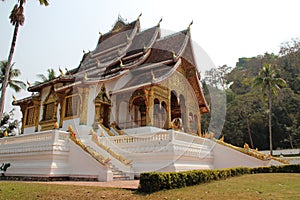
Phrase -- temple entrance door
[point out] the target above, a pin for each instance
(104, 114)
(138, 112)
(102, 108)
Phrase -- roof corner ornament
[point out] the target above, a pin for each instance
(153, 76)
(14, 99)
(159, 21)
(61, 72)
(127, 37)
(83, 51)
(121, 63)
(189, 27)
(140, 16)
(85, 76)
(174, 55)
(100, 34)
(28, 83)
(67, 71)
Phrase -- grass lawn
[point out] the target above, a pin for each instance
(255, 186)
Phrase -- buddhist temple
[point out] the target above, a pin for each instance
(133, 104)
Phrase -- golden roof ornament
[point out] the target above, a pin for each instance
(121, 63)
(174, 55)
(140, 16)
(61, 71)
(14, 98)
(189, 27)
(153, 75)
(85, 76)
(159, 21)
(28, 83)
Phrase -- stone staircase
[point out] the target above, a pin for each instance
(119, 175)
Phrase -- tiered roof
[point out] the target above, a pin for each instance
(147, 55)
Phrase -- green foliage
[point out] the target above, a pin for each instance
(8, 124)
(247, 110)
(156, 181)
(13, 83)
(50, 76)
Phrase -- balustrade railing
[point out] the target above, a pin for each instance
(45, 136)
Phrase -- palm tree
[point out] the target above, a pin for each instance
(270, 85)
(50, 76)
(16, 19)
(16, 85)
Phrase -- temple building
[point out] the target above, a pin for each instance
(133, 104)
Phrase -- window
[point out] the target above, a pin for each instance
(29, 116)
(72, 104)
(48, 111)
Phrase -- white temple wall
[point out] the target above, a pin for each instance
(73, 122)
(29, 130)
(91, 106)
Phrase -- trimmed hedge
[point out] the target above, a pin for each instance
(155, 181)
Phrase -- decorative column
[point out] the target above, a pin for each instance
(37, 106)
(199, 124)
(150, 107)
(84, 94)
(168, 122)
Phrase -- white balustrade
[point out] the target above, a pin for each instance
(42, 141)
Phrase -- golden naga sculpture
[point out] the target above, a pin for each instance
(177, 124)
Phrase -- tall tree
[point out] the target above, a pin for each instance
(50, 76)
(16, 85)
(17, 19)
(270, 85)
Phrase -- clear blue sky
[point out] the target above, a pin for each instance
(56, 35)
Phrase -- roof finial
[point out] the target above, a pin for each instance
(28, 83)
(159, 21)
(140, 16)
(189, 27)
(83, 51)
(100, 34)
(61, 71)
